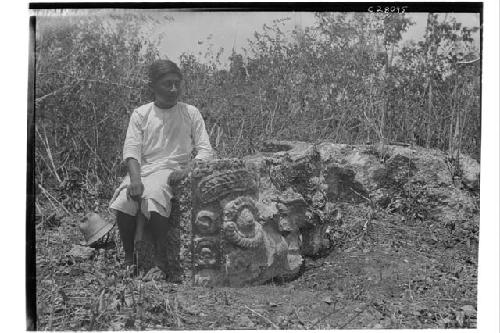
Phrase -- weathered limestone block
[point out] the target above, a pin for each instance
(245, 222)
(242, 236)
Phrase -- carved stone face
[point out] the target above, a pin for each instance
(206, 222)
(205, 250)
(242, 213)
(221, 190)
(246, 222)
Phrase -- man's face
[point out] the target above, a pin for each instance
(167, 90)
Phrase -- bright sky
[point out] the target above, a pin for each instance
(233, 29)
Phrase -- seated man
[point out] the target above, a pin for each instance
(157, 148)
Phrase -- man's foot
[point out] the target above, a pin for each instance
(154, 273)
(131, 269)
(143, 253)
(175, 278)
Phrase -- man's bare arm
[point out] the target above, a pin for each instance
(135, 188)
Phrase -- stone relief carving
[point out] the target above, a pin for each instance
(239, 239)
(240, 225)
(206, 222)
(223, 215)
(252, 220)
(206, 250)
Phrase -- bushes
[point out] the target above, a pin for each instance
(346, 79)
(89, 77)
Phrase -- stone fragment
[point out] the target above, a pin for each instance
(81, 252)
(245, 222)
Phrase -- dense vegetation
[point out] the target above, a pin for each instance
(347, 79)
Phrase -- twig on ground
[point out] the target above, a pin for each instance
(41, 98)
(175, 308)
(354, 317)
(51, 318)
(276, 327)
(51, 198)
(96, 155)
(39, 210)
(241, 132)
(298, 317)
(324, 317)
(46, 145)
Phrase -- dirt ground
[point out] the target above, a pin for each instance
(390, 274)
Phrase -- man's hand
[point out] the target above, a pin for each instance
(177, 175)
(135, 190)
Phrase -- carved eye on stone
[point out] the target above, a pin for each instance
(205, 222)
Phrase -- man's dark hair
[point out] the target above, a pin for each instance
(160, 68)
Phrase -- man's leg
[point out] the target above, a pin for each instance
(126, 226)
(166, 237)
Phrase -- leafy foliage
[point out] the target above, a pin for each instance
(348, 79)
(89, 76)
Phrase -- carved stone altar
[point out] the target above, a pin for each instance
(251, 220)
(249, 229)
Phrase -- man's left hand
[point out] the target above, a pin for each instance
(177, 175)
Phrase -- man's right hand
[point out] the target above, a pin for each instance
(135, 190)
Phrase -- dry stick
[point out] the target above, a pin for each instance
(298, 317)
(44, 161)
(468, 62)
(107, 82)
(51, 202)
(64, 162)
(220, 132)
(38, 208)
(84, 80)
(324, 317)
(175, 308)
(95, 153)
(354, 317)
(49, 196)
(49, 153)
(272, 118)
(276, 327)
(96, 127)
(241, 132)
(101, 305)
(39, 99)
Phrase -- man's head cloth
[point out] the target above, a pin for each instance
(160, 68)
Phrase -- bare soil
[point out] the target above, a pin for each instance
(387, 273)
